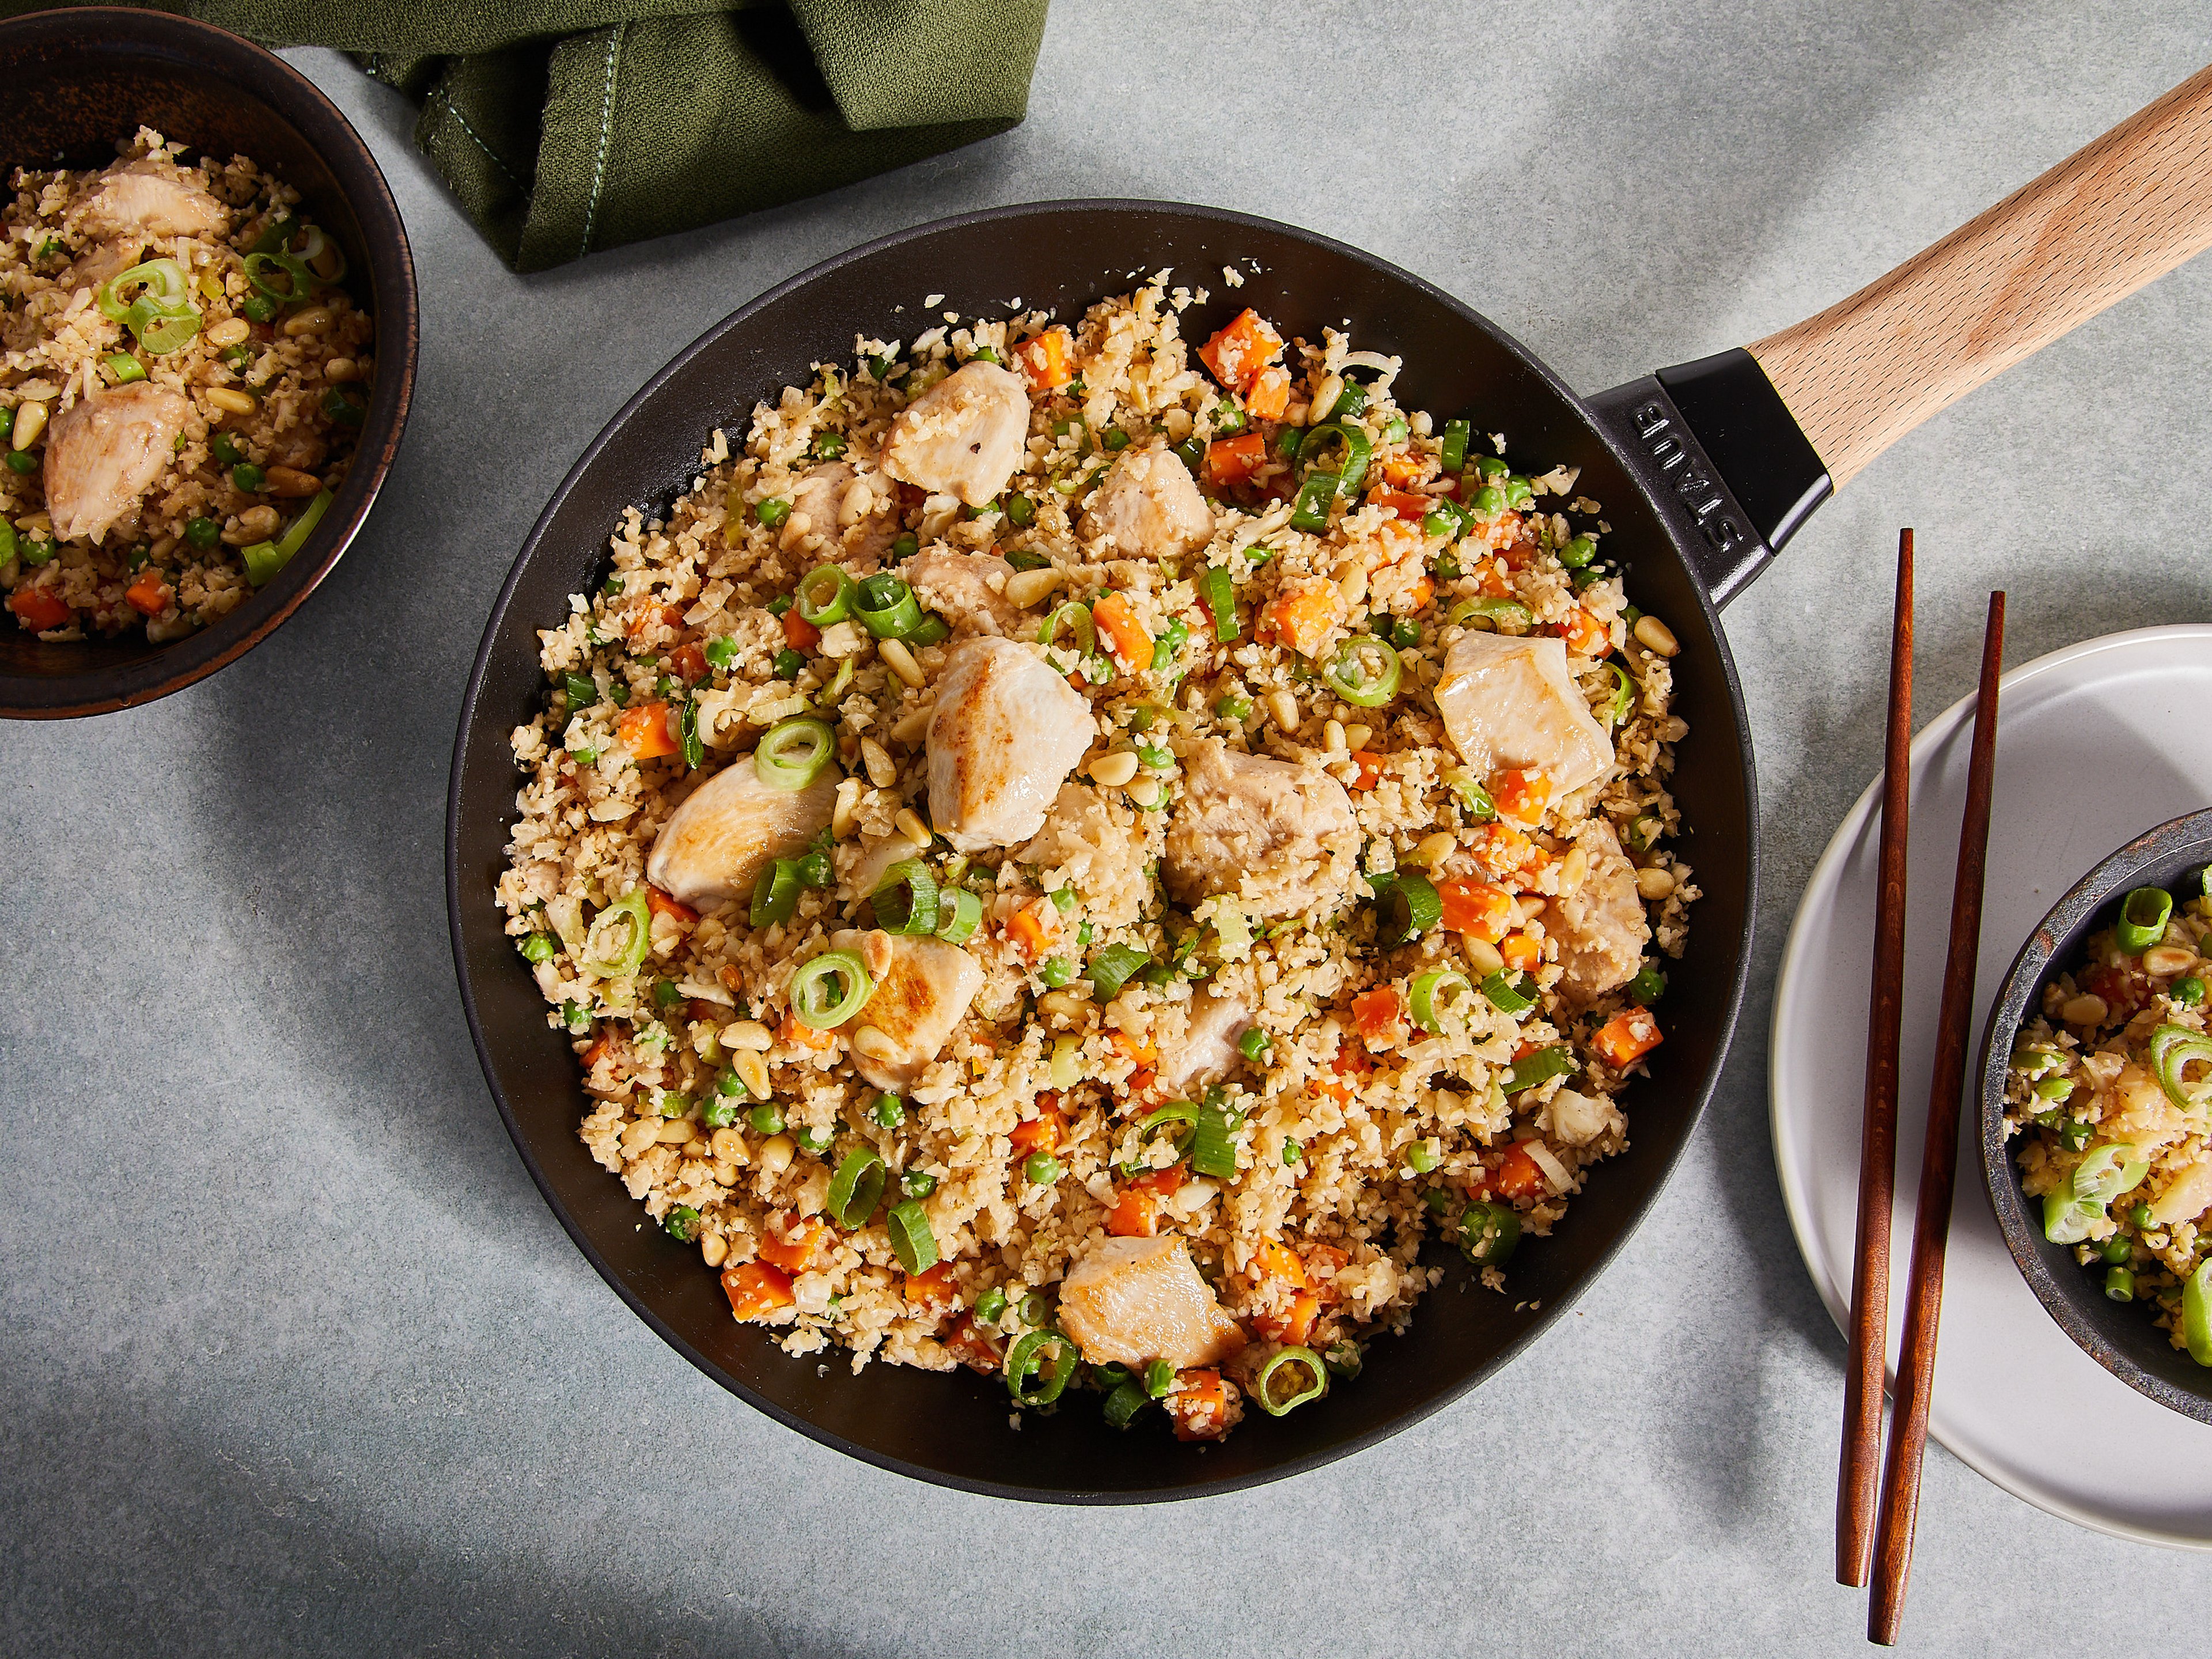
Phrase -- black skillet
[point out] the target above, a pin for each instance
(1702, 471)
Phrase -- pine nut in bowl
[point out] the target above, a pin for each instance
(2096, 1132)
(213, 337)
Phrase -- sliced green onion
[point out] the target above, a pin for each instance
(275, 234)
(1540, 1067)
(1365, 671)
(833, 693)
(830, 989)
(297, 279)
(613, 958)
(857, 1187)
(1256, 1044)
(2143, 916)
(1263, 1385)
(1495, 610)
(1026, 1359)
(687, 733)
(1219, 593)
(1309, 508)
(124, 367)
(1352, 472)
(2070, 1210)
(1503, 996)
(934, 630)
(1407, 907)
(775, 894)
(828, 445)
(1110, 970)
(917, 1183)
(1488, 1233)
(265, 559)
(1213, 1144)
(1453, 452)
(1623, 696)
(906, 899)
(1127, 1399)
(1233, 707)
(794, 752)
(1159, 1377)
(2119, 1283)
(959, 912)
(825, 596)
(2172, 1049)
(1182, 1114)
(887, 607)
(1075, 616)
(912, 1241)
(1440, 996)
(2197, 1312)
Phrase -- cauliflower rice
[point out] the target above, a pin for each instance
(1377, 1094)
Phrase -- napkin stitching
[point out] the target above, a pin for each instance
(606, 125)
(446, 99)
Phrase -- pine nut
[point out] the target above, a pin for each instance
(1333, 737)
(30, 420)
(2165, 959)
(1115, 767)
(1325, 396)
(1434, 849)
(1481, 955)
(729, 1144)
(2083, 1011)
(1060, 1005)
(1284, 708)
(712, 1249)
(1574, 869)
(341, 369)
(314, 320)
(1655, 636)
(1655, 883)
(289, 481)
(752, 1071)
(1359, 737)
(229, 400)
(894, 651)
(637, 1137)
(870, 1041)
(845, 814)
(748, 1034)
(909, 824)
(776, 1154)
(1025, 587)
(1352, 583)
(1146, 792)
(229, 332)
(914, 724)
(882, 771)
(675, 1131)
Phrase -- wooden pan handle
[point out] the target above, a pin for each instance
(2111, 218)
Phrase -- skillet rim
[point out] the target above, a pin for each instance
(1697, 1097)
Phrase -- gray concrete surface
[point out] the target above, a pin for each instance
(295, 1360)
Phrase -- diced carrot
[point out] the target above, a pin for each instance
(1370, 769)
(666, 615)
(1518, 1174)
(688, 662)
(1403, 503)
(41, 608)
(1199, 1403)
(1500, 850)
(933, 1292)
(644, 730)
(1424, 591)
(1125, 636)
(1324, 1263)
(1293, 1324)
(1494, 580)
(148, 594)
(1030, 928)
(1300, 620)
(1134, 1214)
(793, 1249)
(1403, 469)
(1269, 394)
(1232, 460)
(1352, 1060)
(971, 1344)
(1476, 907)
(1048, 360)
(1522, 953)
(795, 1030)
(662, 905)
(1521, 794)
(756, 1290)
(1279, 1274)
(598, 1052)
(800, 635)
(1274, 1260)
(1040, 1134)
(1379, 1014)
(1586, 636)
(1140, 1049)
(1627, 1037)
(1240, 352)
(1503, 532)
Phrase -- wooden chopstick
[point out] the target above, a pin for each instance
(1857, 1482)
(1931, 1224)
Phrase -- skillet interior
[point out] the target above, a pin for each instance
(953, 1428)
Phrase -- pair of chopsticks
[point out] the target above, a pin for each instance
(1874, 1518)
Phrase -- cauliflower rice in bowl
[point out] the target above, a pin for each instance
(1071, 857)
(183, 377)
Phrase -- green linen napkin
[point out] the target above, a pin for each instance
(565, 126)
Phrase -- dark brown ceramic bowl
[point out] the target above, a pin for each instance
(2119, 1336)
(74, 83)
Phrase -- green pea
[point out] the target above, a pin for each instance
(991, 1305)
(1115, 438)
(888, 1111)
(539, 947)
(1447, 567)
(1042, 1168)
(788, 664)
(813, 1140)
(1491, 466)
(1421, 1158)
(730, 1086)
(2189, 992)
(2076, 1135)
(718, 1114)
(1648, 987)
(2116, 1249)
(257, 308)
(1489, 501)
(7, 423)
(771, 512)
(22, 461)
(671, 1104)
(1233, 707)
(766, 1118)
(247, 477)
(1159, 1377)
(225, 449)
(1021, 512)
(829, 446)
(682, 1222)
(1578, 552)
(917, 1183)
(1056, 971)
(721, 651)
(2140, 1215)
(906, 546)
(1292, 1153)
(202, 534)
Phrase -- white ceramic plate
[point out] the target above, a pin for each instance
(2095, 744)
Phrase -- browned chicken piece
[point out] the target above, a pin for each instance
(731, 827)
(1510, 703)
(1278, 836)
(146, 198)
(1207, 1049)
(968, 590)
(1006, 732)
(964, 436)
(1600, 927)
(855, 513)
(923, 987)
(1130, 1301)
(1095, 846)
(1148, 508)
(104, 453)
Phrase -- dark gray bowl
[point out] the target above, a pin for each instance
(2117, 1335)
